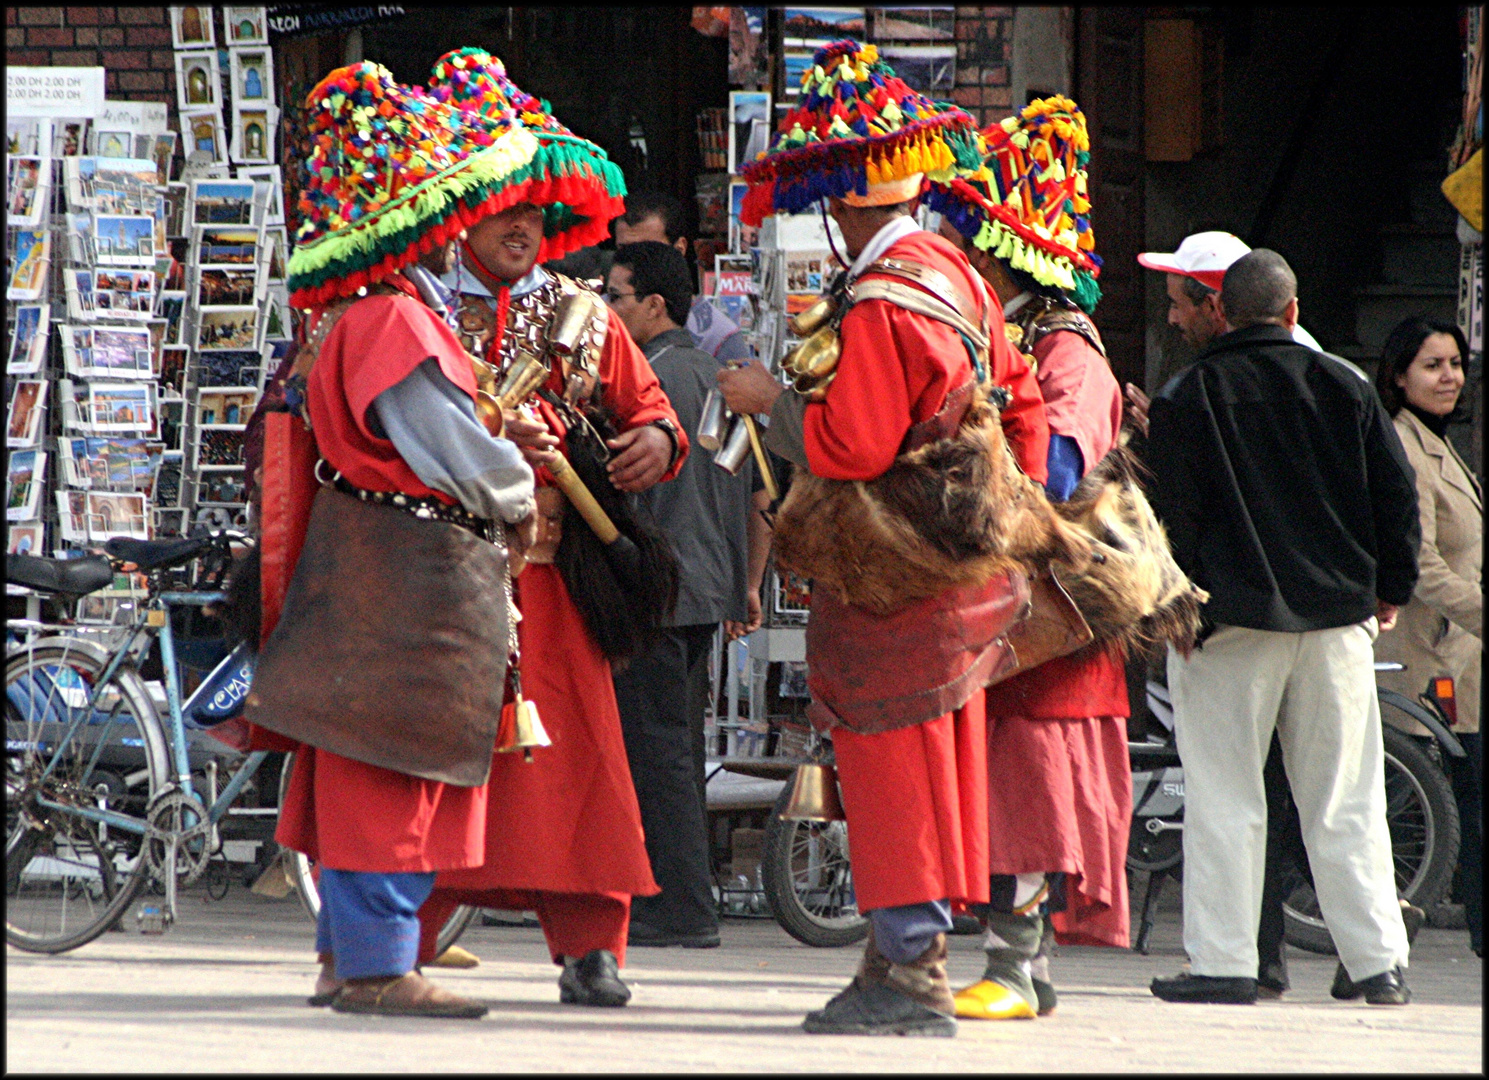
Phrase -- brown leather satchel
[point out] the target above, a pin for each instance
(1051, 626)
(392, 646)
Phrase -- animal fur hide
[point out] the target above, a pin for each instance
(1131, 591)
(952, 513)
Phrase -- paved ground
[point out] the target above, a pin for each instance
(224, 991)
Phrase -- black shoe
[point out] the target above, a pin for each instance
(1387, 988)
(593, 980)
(643, 934)
(877, 1009)
(1271, 980)
(1206, 989)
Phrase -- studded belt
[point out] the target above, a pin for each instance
(424, 507)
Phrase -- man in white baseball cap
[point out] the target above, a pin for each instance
(1194, 274)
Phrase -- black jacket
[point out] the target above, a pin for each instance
(1283, 486)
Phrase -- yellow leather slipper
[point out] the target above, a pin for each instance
(455, 957)
(987, 1000)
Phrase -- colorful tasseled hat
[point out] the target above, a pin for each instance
(391, 174)
(579, 188)
(1028, 204)
(858, 133)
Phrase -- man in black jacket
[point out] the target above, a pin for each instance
(1287, 496)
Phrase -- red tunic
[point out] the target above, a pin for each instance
(915, 796)
(569, 822)
(1024, 423)
(1060, 784)
(346, 814)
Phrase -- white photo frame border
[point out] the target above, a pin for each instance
(237, 74)
(178, 41)
(189, 119)
(238, 150)
(273, 175)
(229, 30)
(186, 61)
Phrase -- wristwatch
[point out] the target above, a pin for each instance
(671, 429)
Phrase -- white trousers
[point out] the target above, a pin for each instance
(1317, 690)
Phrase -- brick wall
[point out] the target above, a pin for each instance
(132, 44)
(984, 55)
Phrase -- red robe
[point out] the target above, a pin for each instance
(915, 796)
(1060, 783)
(568, 821)
(346, 814)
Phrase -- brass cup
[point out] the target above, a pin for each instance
(814, 795)
(735, 450)
(571, 316)
(711, 423)
(805, 322)
(818, 355)
(489, 412)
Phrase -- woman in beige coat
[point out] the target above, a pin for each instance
(1440, 633)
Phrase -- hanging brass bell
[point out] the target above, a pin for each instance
(814, 795)
(520, 729)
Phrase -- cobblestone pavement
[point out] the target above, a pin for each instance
(225, 991)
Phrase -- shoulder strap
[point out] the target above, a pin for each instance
(936, 297)
(1059, 318)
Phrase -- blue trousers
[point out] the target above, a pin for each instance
(903, 933)
(370, 922)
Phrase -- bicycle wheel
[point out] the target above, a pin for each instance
(1423, 819)
(808, 879)
(303, 873)
(68, 879)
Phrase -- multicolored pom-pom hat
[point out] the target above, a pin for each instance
(1028, 204)
(391, 174)
(858, 133)
(579, 188)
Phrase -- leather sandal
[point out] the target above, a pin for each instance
(327, 985)
(404, 995)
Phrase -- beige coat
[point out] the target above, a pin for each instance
(1441, 631)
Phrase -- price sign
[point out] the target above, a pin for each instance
(74, 92)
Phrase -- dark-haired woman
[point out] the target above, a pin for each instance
(1440, 633)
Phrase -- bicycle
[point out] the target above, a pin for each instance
(100, 795)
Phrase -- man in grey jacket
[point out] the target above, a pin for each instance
(1287, 497)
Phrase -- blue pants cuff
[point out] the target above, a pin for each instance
(903, 933)
(372, 920)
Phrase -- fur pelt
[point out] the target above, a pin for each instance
(623, 607)
(1131, 591)
(952, 513)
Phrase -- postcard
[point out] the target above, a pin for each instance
(232, 328)
(177, 195)
(171, 307)
(252, 73)
(113, 514)
(173, 361)
(245, 25)
(28, 341)
(815, 27)
(28, 183)
(277, 324)
(928, 23)
(166, 487)
(72, 514)
(191, 28)
(119, 406)
(203, 131)
(253, 134)
(219, 449)
(749, 127)
(228, 288)
(222, 202)
(930, 69)
(33, 255)
(27, 409)
(795, 64)
(230, 408)
(124, 294)
(197, 81)
(24, 538)
(276, 251)
(27, 135)
(23, 483)
(227, 247)
(114, 144)
(219, 369)
(742, 237)
(222, 487)
(69, 137)
(273, 199)
(120, 240)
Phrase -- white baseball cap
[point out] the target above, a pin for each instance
(1204, 256)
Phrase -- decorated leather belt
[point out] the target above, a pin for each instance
(424, 507)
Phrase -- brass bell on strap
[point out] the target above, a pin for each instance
(814, 795)
(520, 729)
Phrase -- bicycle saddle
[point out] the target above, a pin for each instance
(155, 554)
(69, 577)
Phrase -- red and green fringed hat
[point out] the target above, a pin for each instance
(1028, 204)
(579, 188)
(859, 133)
(391, 174)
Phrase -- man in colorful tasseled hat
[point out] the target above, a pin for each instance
(902, 694)
(1059, 785)
(565, 838)
(403, 548)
